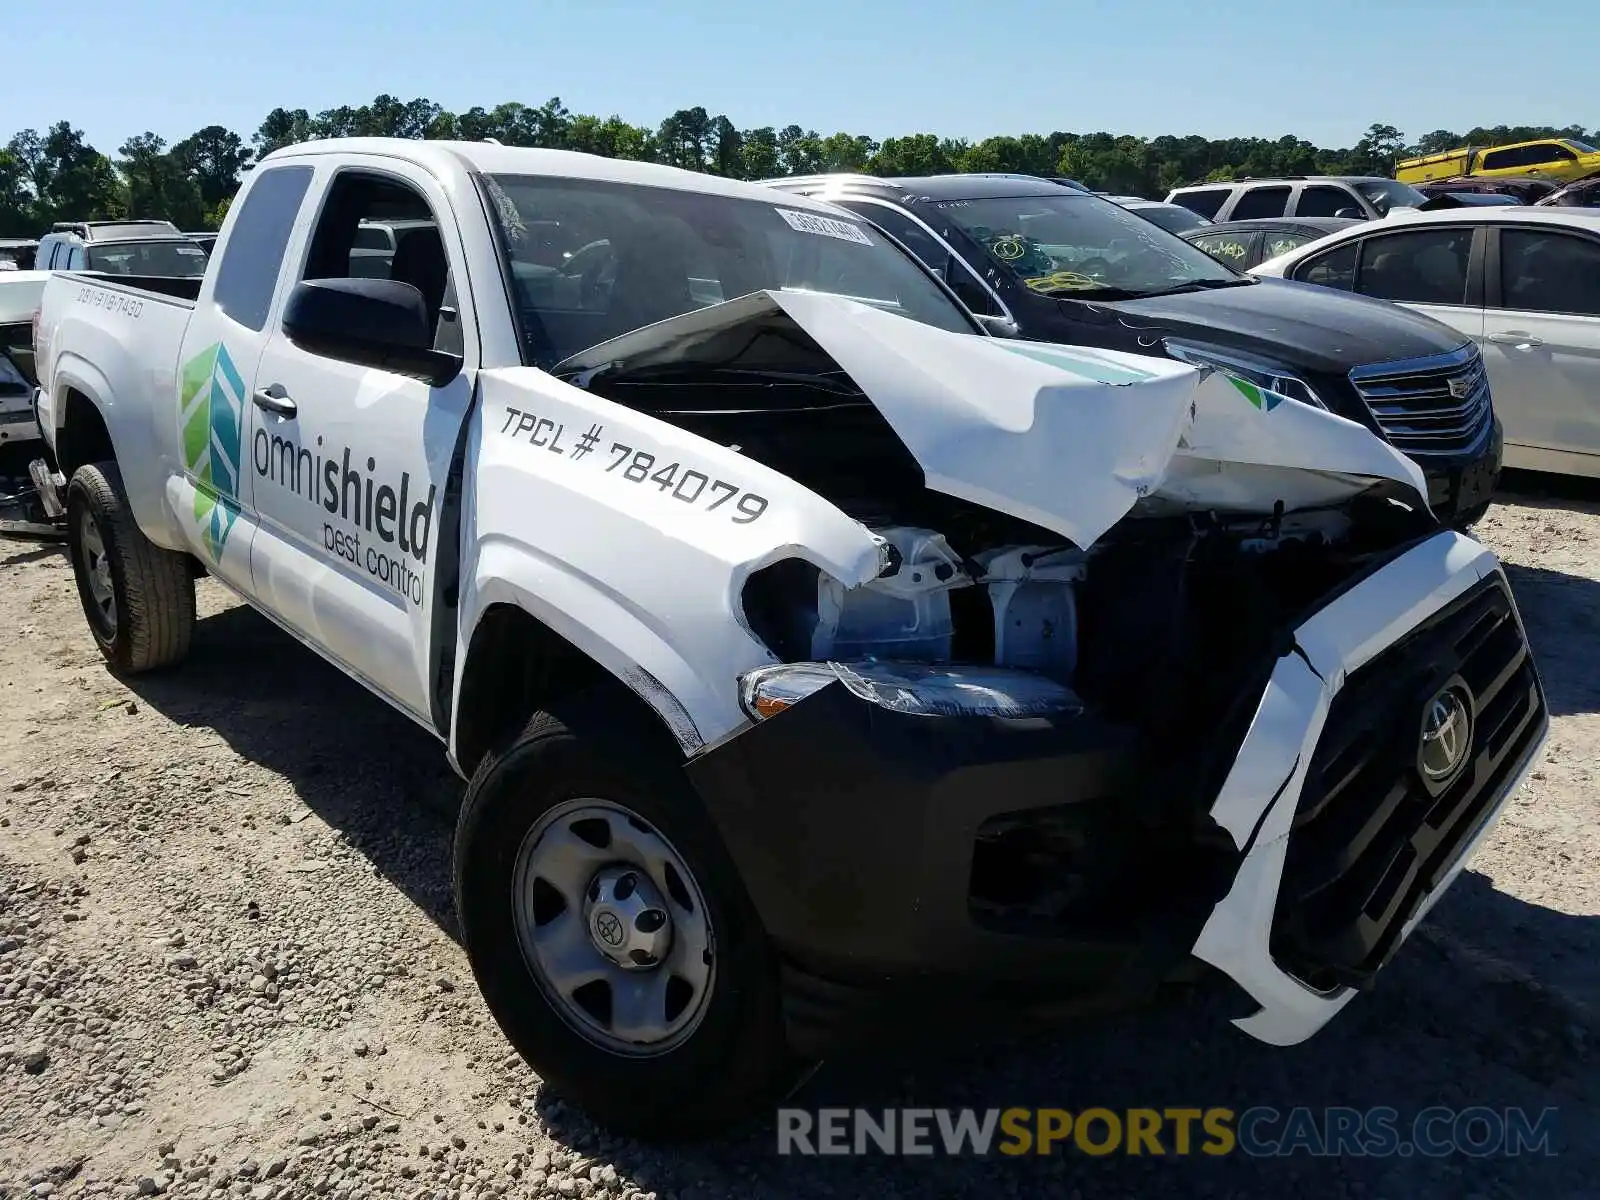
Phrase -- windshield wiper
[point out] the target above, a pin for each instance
(1196, 285)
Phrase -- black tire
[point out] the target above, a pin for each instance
(736, 1057)
(151, 623)
(1466, 520)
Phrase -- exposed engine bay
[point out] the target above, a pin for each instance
(1160, 615)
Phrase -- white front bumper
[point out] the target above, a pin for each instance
(1257, 803)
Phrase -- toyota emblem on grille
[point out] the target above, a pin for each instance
(1446, 737)
(1460, 387)
(608, 927)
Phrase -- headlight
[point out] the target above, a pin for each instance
(1259, 371)
(917, 689)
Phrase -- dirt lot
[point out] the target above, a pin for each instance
(227, 965)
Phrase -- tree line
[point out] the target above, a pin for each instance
(57, 175)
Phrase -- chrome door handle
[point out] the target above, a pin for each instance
(275, 400)
(1519, 338)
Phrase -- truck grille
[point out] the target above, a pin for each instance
(1370, 841)
(1436, 405)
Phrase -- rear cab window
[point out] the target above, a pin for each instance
(247, 275)
(168, 258)
(372, 237)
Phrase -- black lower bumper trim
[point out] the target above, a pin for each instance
(870, 842)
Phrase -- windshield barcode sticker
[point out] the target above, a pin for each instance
(828, 227)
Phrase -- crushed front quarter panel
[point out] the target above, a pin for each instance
(633, 539)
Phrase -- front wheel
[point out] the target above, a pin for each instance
(137, 597)
(1466, 520)
(609, 931)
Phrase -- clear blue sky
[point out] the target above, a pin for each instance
(880, 67)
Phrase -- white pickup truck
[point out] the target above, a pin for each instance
(816, 659)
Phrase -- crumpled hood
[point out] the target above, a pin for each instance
(1070, 439)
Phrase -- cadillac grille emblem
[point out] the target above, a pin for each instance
(1446, 737)
(1460, 387)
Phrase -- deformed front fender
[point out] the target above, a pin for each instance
(633, 539)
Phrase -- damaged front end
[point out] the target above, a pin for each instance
(1040, 754)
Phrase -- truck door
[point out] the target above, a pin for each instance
(349, 463)
(209, 487)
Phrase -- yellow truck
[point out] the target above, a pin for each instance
(1554, 158)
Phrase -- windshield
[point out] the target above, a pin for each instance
(1582, 147)
(1082, 244)
(590, 261)
(1385, 194)
(183, 260)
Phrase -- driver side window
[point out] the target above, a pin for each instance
(364, 216)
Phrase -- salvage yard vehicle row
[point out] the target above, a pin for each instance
(1035, 260)
(810, 652)
(1522, 283)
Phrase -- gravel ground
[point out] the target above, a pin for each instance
(228, 966)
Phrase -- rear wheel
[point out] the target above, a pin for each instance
(610, 933)
(137, 597)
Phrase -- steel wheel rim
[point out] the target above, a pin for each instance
(562, 895)
(102, 592)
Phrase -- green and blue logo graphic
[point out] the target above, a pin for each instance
(211, 423)
(1259, 396)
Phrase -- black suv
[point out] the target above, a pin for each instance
(1033, 259)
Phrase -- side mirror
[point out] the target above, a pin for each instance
(1351, 214)
(380, 323)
